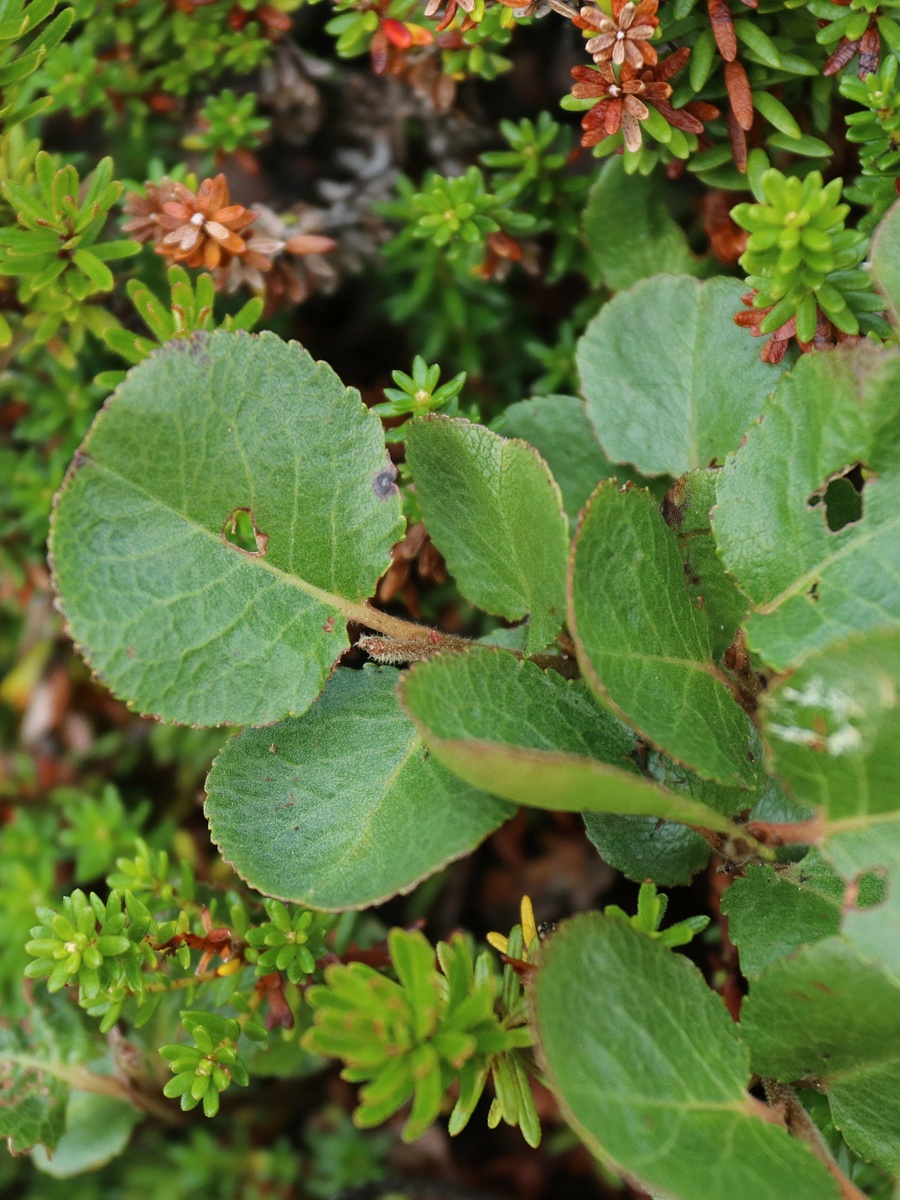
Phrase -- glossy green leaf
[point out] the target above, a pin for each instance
(644, 646)
(671, 404)
(342, 807)
(97, 1129)
(532, 737)
(630, 231)
(650, 1070)
(687, 509)
(558, 428)
(884, 257)
(773, 913)
(173, 617)
(827, 1014)
(810, 583)
(495, 512)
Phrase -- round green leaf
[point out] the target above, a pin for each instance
(629, 230)
(811, 579)
(833, 729)
(650, 1070)
(212, 430)
(827, 1014)
(495, 512)
(558, 428)
(668, 403)
(644, 646)
(884, 256)
(534, 738)
(342, 807)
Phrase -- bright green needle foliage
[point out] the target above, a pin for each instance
(54, 250)
(191, 309)
(343, 806)
(228, 123)
(410, 1039)
(833, 727)
(875, 129)
(203, 1071)
(653, 661)
(290, 943)
(697, 392)
(536, 738)
(814, 560)
(141, 534)
(651, 908)
(800, 257)
(418, 394)
(20, 58)
(826, 1014)
(84, 944)
(461, 207)
(650, 1069)
(495, 512)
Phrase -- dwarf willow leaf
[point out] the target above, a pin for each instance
(687, 509)
(651, 1072)
(833, 729)
(495, 512)
(644, 848)
(645, 646)
(535, 738)
(97, 1129)
(884, 256)
(342, 807)
(771, 914)
(827, 1014)
(813, 575)
(688, 399)
(176, 618)
(630, 231)
(558, 428)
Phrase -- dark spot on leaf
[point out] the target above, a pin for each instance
(383, 483)
(813, 592)
(79, 458)
(328, 627)
(240, 531)
(296, 827)
(841, 497)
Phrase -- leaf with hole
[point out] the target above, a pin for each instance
(679, 402)
(773, 913)
(342, 807)
(495, 512)
(230, 509)
(812, 580)
(645, 647)
(650, 1070)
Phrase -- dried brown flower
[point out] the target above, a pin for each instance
(622, 103)
(622, 37)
